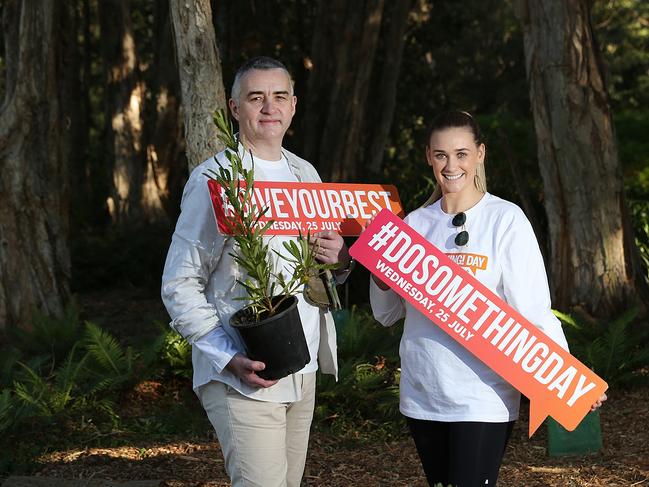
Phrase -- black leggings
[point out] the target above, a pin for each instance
(462, 454)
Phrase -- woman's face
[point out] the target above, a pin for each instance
(454, 157)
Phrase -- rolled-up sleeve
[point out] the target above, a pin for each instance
(525, 282)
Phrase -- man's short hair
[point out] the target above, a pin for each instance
(260, 62)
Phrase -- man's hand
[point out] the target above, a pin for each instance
(330, 248)
(247, 369)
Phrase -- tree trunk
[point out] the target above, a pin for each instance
(343, 51)
(201, 81)
(125, 99)
(524, 191)
(166, 168)
(34, 258)
(589, 266)
(386, 95)
(75, 110)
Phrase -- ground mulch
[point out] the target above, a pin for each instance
(334, 462)
(623, 461)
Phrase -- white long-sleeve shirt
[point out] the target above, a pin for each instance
(440, 379)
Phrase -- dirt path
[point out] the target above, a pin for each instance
(624, 459)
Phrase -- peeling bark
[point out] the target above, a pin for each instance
(354, 67)
(34, 258)
(201, 81)
(166, 164)
(589, 264)
(343, 55)
(125, 92)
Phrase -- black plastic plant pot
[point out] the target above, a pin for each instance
(278, 341)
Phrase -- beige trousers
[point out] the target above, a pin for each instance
(264, 444)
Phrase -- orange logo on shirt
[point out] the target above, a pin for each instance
(472, 262)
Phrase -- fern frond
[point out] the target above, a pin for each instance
(104, 348)
(6, 410)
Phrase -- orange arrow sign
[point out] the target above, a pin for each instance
(556, 383)
(312, 207)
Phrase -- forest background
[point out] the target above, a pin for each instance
(107, 106)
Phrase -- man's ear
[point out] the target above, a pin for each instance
(234, 108)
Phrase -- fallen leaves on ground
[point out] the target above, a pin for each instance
(624, 459)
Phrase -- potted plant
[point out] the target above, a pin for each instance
(269, 324)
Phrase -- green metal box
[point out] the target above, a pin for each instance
(586, 438)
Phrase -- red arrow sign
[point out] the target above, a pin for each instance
(556, 383)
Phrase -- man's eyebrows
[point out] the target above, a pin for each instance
(279, 92)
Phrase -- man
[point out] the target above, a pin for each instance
(262, 426)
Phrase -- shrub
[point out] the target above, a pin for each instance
(366, 396)
(43, 387)
(176, 354)
(614, 350)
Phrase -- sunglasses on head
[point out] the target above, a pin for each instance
(461, 238)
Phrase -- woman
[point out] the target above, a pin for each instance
(461, 413)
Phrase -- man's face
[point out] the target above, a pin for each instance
(265, 107)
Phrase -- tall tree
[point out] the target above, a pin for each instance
(201, 81)
(384, 97)
(124, 99)
(355, 64)
(34, 258)
(166, 164)
(592, 261)
(339, 84)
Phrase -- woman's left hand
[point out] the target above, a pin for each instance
(598, 403)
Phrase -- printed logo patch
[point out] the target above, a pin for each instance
(472, 262)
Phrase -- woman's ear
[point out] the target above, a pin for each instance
(482, 153)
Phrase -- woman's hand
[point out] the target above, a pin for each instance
(382, 285)
(598, 403)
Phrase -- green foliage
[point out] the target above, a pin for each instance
(176, 353)
(7, 410)
(623, 34)
(48, 335)
(631, 128)
(48, 394)
(79, 395)
(113, 363)
(86, 380)
(640, 216)
(8, 361)
(366, 396)
(252, 253)
(614, 350)
(633, 145)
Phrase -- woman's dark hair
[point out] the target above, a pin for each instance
(453, 119)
